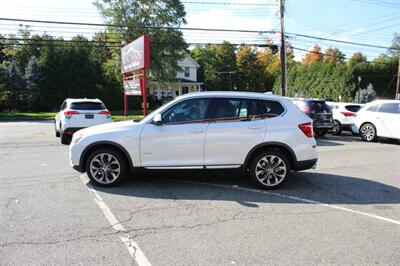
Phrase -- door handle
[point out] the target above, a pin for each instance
(255, 127)
(197, 130)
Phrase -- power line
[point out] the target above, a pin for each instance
(227, 3)
(198, 29)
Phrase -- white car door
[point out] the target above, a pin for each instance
(236, 127)
(179, 141)
(389, 120)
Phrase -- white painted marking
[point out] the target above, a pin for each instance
(133, 248)
(43, 164)
(371, 215)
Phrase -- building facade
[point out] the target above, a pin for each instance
(185, 81)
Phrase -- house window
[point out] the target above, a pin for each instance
(185, 90)
(187, 74)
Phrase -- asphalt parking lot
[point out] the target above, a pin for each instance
(347, 211)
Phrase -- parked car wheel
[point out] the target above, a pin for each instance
(337, 128)
(106, 167)
(57, 132)
(65, 139)
(368, 132)
(321, 132)
(269, 169)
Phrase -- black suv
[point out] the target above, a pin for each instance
(319, 112)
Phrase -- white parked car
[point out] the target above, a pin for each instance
(379, 118)
(76, 114)
(263, 134)
(343, 116)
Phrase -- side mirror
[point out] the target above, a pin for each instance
(157, 120)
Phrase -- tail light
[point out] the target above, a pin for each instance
(348, 114)
(307, 129)
(308, 110)
(69, 113)
(106, 113)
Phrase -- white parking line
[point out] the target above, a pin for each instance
(133, 248)
(371, 215)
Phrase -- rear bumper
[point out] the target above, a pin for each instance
(304, 165)
(71, 130)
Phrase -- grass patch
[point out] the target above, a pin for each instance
(13, 116)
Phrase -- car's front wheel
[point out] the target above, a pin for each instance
(106, 167)
(368, 132)
(269, 169)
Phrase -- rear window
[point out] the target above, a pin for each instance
(271, 108)
(352, 108)
(318, 106)
(87, 106)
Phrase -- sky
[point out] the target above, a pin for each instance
(364, 21)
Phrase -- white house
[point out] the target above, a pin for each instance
(186, 81)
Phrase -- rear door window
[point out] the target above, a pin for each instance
(235, 109)
(352, 108)
(392, 108)
(87, 106)
(373, 108)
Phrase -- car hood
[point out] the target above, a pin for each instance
(109, 127)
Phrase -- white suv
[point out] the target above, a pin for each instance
(343, 115)
(76, 114)
(379, 118)
(265, 135)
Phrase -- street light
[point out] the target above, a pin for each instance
(359, 89)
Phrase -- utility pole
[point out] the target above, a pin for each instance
(397, 94)
(283, 49)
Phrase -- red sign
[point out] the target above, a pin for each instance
(136, 55)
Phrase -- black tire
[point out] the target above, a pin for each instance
(65, 139)
(320, 132)
(368, 132)
(337, 128)
(111, 160)
(259, 165)
(55, 129)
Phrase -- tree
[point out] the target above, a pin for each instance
(250, 76)
(156, 18)
(32, 78)
(357, 58)
(394, 49)
(333, 55)
(315, 55)
(365, 95)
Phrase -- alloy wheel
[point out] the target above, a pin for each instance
(105, 168)
(368, 132)
(270, 170)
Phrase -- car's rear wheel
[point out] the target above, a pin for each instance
(269, 169)
(368, 132)
(57, 132)
(65, 139)
(337, 128)
(106, 167)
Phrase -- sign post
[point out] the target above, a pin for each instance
(135, 61)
